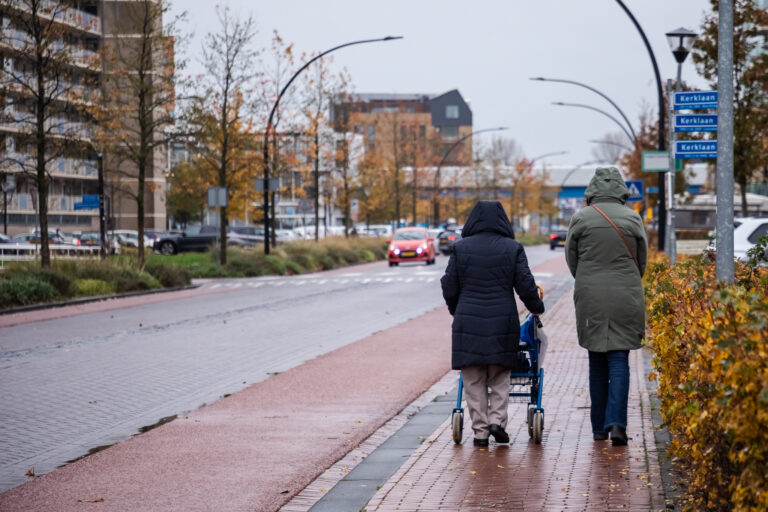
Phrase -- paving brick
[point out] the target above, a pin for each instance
(568, 471)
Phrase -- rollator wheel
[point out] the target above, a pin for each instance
(538, 426)
(457, 426)
(529, 421)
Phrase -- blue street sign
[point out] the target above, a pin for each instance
(696, 149)
(695, 100)
(88, 202)
(635, 190)
(653, 190)
(696, 123)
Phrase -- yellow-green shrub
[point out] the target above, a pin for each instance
(89, 287)
(710, 346)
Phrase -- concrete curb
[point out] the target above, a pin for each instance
(95, 298)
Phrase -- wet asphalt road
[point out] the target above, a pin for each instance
(74, 384)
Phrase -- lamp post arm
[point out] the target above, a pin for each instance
(612, 143)
(631, 138)
(629, 125)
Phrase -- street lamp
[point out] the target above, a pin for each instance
(573, 82)
(580, 105)
(612, 143)
(265, 149)
(660, 94)
(680, 42)
(436, 205)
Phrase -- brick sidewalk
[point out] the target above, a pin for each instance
(568, 471)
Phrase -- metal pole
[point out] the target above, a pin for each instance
(5, 212)
(724, 220)
(102, 219)
(660, 94)
(669, 243)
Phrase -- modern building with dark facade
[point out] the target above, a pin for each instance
(433, 120)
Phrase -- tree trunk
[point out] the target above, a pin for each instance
(42, 181)
(743, 189)
(347, 207)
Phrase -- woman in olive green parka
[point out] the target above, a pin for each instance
(608, 294)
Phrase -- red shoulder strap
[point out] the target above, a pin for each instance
(629, 248)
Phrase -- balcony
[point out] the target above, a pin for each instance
(66, 15)
(60, 167)
(56, 203)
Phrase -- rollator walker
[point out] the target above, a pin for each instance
(525, 382)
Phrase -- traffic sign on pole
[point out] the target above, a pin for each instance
(695, 123)
(658, 161)
(691, 100)
(635, 190)
(696, 149)
(217, 197)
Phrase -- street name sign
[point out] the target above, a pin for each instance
(695, 123)
(658, 161)
(691, 100)
(696, 149)
(635, 190)
(217, 197)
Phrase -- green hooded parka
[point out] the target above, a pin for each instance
(608, 294)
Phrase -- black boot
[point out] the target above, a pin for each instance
(600, 436)
(618, 435)
(480, 442)
(499, 434)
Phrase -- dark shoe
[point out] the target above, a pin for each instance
(618, 435)
(480, 442)
(600, 436)
(498, 434)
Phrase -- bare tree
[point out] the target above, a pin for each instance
(611, 147)
(221, 114)
(42, 84)
(141, 72)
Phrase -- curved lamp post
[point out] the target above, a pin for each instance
(265, 149)
(660, 93)
(573, 82)
(581, 105)
(436, 204)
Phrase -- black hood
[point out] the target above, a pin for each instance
(488, 216)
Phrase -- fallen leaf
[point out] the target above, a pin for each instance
(345, 469)
(358, 421)
(585, 494)
(499, 466)
(323, 490)
(30, 471)
(564, 489)
(92, 500)
(473, 472)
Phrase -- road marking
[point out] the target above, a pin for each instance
(409, 280)
(215, 286)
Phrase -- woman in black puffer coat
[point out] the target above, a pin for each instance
(486, 268)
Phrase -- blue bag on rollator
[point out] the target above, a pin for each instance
(526, 381)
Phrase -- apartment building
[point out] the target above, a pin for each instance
(425, 125)
(81, 27)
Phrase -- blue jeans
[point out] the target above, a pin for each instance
(608, 389)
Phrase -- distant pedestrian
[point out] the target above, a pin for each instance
(486, 268)
(606, 251)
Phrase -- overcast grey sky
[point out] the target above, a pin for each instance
(488, 50)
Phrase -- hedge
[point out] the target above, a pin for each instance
(711, 361)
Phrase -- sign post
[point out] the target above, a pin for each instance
(686, 123)
(217, 198)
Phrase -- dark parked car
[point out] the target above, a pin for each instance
(446, 239)
(557, 239)
(199, 238)
(245, 236)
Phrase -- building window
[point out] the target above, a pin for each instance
(449, 132)
(422, 131)
(451, 111)
(371, 133)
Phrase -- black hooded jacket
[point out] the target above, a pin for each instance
(485, 269)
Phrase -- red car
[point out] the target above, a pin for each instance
(411, 244)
